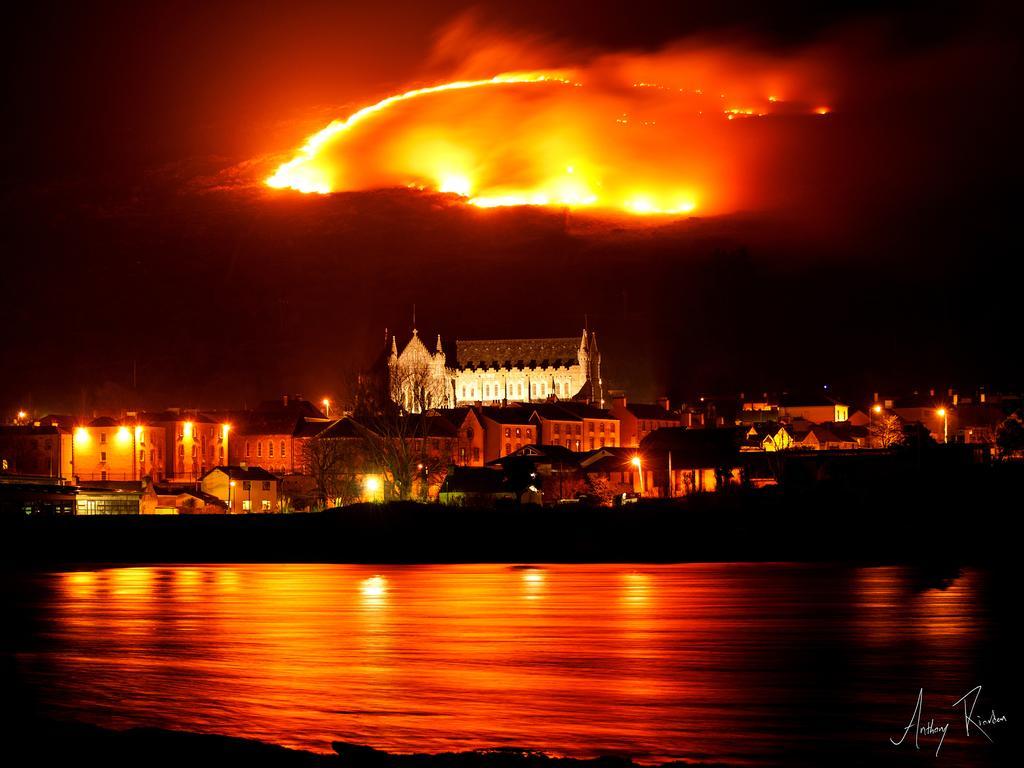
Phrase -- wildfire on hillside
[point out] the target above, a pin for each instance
(677, 133)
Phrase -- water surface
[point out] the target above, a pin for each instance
(743, 663)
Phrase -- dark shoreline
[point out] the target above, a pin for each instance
(941, 522)
(63, 743)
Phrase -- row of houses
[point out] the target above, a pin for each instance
(670, 462)
(288, 455)
(181, 446)
(182, 451)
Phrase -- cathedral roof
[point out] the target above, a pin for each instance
(517, 353)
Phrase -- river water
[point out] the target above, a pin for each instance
(754, 664)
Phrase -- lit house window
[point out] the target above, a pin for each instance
(270, 448)
(265, 505)
(246, 505)
(282, 449)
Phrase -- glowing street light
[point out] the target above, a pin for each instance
(22, 415)
(231, 487)
(327, 407)
(372, 487)
(224, 429)
(942, 412)
(635, 461)
(877, 408)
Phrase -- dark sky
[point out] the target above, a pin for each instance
(122, 256)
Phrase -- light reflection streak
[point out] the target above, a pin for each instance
(574, 659)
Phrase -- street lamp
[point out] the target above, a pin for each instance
(876, 410)
(327, 407)
(231, 486)
(224, 429)
(372, 485)
(945, 423)
(636, 463)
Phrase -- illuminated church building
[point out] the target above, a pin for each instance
(494, 372)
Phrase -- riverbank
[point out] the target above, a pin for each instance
(56, 743)
(916, 525)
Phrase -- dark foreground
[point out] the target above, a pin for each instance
(59, 743)
(924, 518)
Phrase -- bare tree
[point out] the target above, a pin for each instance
(886, 431)
(333, 465)
(415, 386)
(412, 449)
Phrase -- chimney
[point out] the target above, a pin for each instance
(619, 401)
(876, 397)
(663, 402)
(284, 398)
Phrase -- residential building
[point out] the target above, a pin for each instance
(272, 435)
(679, 461)
(469, 449)
(506, 430)
(190, 443)
(637, 420)
(575, 425)
(45, 451)
(125, 449)
(816, 409)
(243, 489)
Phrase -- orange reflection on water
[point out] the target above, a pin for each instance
(660, 662)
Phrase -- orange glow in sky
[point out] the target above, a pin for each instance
(599, 138)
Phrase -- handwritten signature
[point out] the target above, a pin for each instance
(968, 701)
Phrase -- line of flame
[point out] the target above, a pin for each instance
(282, 177)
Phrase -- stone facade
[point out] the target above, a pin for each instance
(495, 372)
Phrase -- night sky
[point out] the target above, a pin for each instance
(145, 264)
